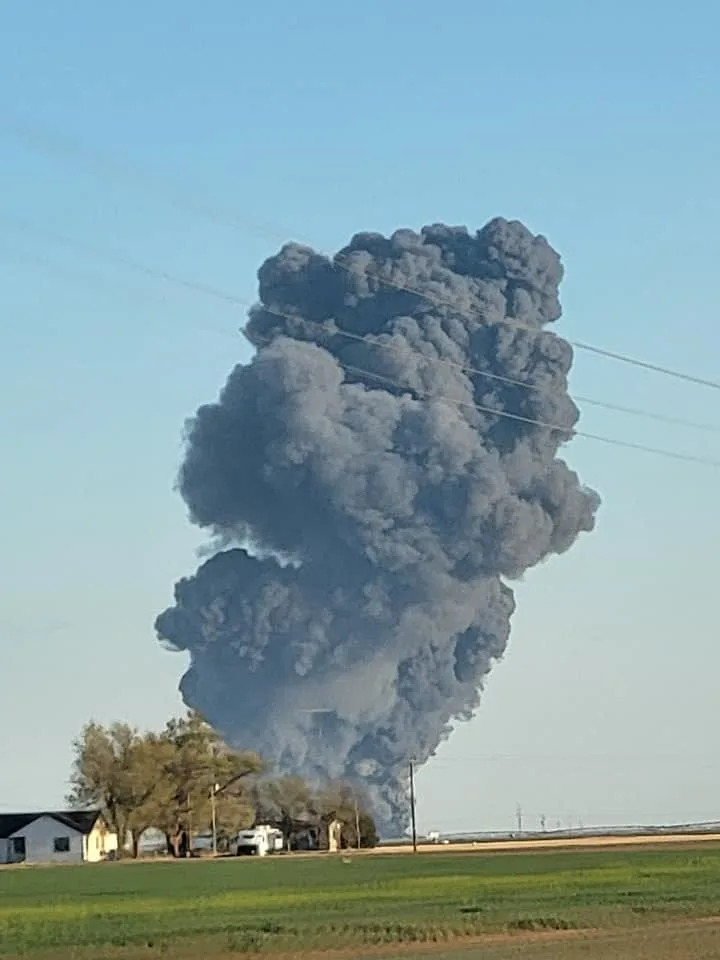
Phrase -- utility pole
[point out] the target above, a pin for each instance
(213, 790)
(518, 814)
(189, 833)
(412, 804)
(357, 823)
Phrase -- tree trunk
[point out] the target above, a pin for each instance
(121, 832)
(136, 834)
(286, 825)
(173, 840)
(115, 823)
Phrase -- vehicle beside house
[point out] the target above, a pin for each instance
(65, 836)
(257, 841)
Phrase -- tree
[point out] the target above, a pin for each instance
(286, 802)
(198, 763)
(162, 780)
(234, 811)
(294, 806)
(172, 781)
(153, 757)
(115, 769)
(368, 832)
(342, 801)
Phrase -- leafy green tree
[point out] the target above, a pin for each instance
(153, 758)
(173, 780)
(294, 806)
(234, 811)
(345, 802)
(286, 802)
(162, 780)
(200, 763)
(114, 769)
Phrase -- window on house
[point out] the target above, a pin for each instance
(18, 846)
(61, 844)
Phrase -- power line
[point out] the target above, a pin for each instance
(47, 142)
(481, 408)
(114, 255)
(119, 168)
(612, 756)
(213, 291)
(529, 328)
(658, 451)
(512, 381)
(102, 283)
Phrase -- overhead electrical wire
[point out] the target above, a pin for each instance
(537, 331)
(115, 256)
(210, 290)
(512, 381)
(569, 431)
(103, 283)
(493, 411)
(54, 144)
(213, 291)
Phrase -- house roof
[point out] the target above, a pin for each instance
(81, 820)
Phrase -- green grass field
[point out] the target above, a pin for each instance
(288, 904)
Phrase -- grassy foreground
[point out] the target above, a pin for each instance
(288, 904)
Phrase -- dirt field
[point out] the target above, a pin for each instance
(681, 940)
(699, 940)
(571, 843)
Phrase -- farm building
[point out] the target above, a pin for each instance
(323, 836)
(69, 836)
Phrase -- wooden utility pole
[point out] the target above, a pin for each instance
(357, 823)
(189, 833)
(412, 805)
(213, 791)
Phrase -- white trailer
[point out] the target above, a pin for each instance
(257, 842)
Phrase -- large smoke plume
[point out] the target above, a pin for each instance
(370, 502)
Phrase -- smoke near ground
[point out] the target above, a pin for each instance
(370, 503)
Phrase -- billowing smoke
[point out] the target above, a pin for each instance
(374, 477)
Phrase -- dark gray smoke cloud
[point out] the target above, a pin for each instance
(370, 510)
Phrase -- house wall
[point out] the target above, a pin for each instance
(334, 832)
(99, 843)
(39, 842)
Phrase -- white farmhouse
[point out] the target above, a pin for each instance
(68, 836)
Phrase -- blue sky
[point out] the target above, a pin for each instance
(595, 124)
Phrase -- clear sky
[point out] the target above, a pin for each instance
(596, 124)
